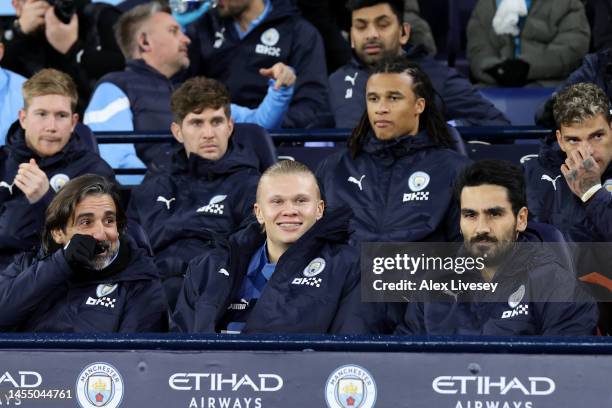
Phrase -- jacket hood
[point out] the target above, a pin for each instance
(236, 158)
(20, 152)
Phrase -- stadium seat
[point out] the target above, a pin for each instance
(550, 234)
(519, 104)
(459, 143)
(87, 137)
(258, 139)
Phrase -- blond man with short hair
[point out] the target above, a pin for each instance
(40, 156)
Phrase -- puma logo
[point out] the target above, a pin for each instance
(8, 186)
(358, 182)
(351, 79)
(224, 271)
(165, 200)
(553, 181)
(219, 38)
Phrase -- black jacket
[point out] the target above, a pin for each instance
(42, 293)
(20, 221)
(292, 301)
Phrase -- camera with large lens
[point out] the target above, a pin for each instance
(64, 9)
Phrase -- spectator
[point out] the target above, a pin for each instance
(10, 96)
(321, 14)
(570, 184)
(138, 98)
(40, 156)
(89, 276)
(420, 32)
(398, 159)
(289, 272)
(237, 41)
(599, 14)
(211, 185)
(596, 68)
(526, 42)
(377, 31)
(80, 43)
(535, 294)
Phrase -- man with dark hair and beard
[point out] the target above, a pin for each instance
(535, 294)
(88, 276)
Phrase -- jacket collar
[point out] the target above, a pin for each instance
(20, 152)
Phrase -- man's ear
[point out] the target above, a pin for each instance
(75, 120)
(143, 43)
(22, 117)
(405, 33)
(59, 237)
(176, 132)
(230, 124)
(258, 214)
(521, 219)
(420, 105)
(1, 49)
(320, 209)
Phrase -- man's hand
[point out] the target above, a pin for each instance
(581, 171)
(32, 181)
(283, 74)
(32, 15)
(80, 250)
(61, 36)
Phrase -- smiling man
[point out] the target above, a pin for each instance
(210, 187)
(289, 272)
(89, 276)
(536, 293)
(40, 156)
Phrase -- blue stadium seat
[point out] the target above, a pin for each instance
(258, 139)
(519, 104)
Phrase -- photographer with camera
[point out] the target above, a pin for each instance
(73, 36)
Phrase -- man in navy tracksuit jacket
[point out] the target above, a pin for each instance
(88, 276)
(536, 291)
(224, 50)
(299, 276)
(397, 174)
(377, 31)
(211, 185)
(584, 128)
(40, 156)
(570, 185)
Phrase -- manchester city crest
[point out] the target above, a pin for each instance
(58, 181)
(270, 37)
(350, 386)
(99, 385)
(418, 181)
(608, 185)
(314, 268)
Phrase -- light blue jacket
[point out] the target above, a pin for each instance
(11, 100)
